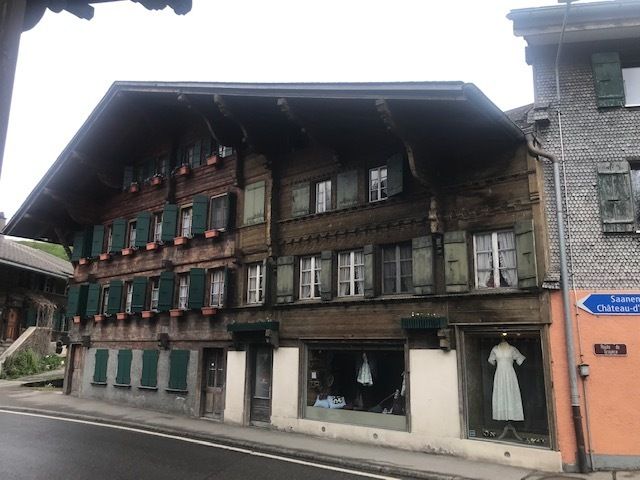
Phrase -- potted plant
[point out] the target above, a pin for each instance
(214, 159)
(153, 246)
(105, 256)
(77, 319)
(183, 170)
(213, 233)
(128, 251)
(99, 317)
(148, 313)
(122, 315)
(156, 180)
(83, 261)
(209, 311)
(176, 312)
(181, 241)
(134, 187)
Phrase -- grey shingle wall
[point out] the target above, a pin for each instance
(591, 135)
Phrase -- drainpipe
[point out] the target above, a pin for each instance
(568, 324)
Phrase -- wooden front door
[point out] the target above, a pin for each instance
(215, 374)
(75, 364)
(262, 360)
(13, 325)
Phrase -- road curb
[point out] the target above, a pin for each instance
(371, 467)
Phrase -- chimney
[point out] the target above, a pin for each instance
(3, 221)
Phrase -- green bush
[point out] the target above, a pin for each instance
(28, 362)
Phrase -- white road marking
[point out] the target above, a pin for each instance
(207, 444)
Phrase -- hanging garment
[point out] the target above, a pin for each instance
(364, 374)
(506, 399)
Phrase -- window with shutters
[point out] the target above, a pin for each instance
(157, 227)
(310, 268)
(188, 155)
(104, 304)
(216, 291)
(129, 296)
(351, 273)
(219, 212)
(323, 196)
(185, 221)
(132, 234)
(155, 291)
(255, 283)
(109, 237)
(495, 259)
(397, 268)
(254, 203)
(377, 184)
(631, 82)
(224, 151)
(635, 192)
(183, 292)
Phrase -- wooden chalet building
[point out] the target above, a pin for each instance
(332, 259)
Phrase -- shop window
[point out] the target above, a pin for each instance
(351, 273)
(323, 196)
(397, 268)
(183, 292)
(377, 184)
(132, 234)
(216, 293)
(129, 297)
(155, 290)
(186, 215)
(356, 385)
(504, 385)
(157, 227)
(255, 283)
(495, 259)
(310, 268)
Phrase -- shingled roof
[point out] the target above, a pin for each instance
(20, 256)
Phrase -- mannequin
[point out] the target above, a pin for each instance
(506, 399)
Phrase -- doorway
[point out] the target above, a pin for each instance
(76, 360)
(215, 374)
(261, 380)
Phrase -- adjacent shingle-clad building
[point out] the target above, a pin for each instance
(362, 261)
(586, 114)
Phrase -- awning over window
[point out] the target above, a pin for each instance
(424, 323)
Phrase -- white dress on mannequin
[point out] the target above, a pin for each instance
(506, 400)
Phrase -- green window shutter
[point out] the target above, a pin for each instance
(456, 263)
(165, 291)
(149, 368)
(197, 149)
(616, 200)
(254, 203)
(93, 299)
(127, 178)
(300, 199)
(78, 245)
(73, 300)
(199, 214)
(97, 242)
(123, 376)
(119, 235)
(395, 174)
(165, 165)
(266, 281)
(525, 254)
(143, 227)
(169, 222)
(284, 279)
(347, 189)
(369, 271)
(31, 317)
(196, 288)
(422, 264)
(114, 304)
(139, 294)
(100, 368)
(607, 75)
(179, 361)
(326, 280)
(227, 285)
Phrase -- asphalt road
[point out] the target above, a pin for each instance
(35, 448)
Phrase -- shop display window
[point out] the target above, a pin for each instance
(504, 385)
(357, 385)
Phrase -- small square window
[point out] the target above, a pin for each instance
(377, 184)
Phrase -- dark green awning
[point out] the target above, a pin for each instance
(253, 327)
(424, 323)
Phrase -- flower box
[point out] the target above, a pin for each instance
(105, 257)
(213, 233)
(83, 261)
(181, 240)
(99, 318)
(214, 160)
(153, 246)
(209, 311)
(134, 187)
(77, 319)
(183, 170)
(122, 315)
(148, 314)
(128, 251)
(156, 180)
(176, 312)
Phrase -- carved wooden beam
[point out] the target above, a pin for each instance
(62, 240)
(76, 206)
(184, 99)
(224, 109)
(109, 178)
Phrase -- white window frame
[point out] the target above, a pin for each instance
(129, 298)
(157, 227)
(215, 197)
(183, 292)
(186, 232)
(323, 196)
(131, 233)
(378, 189)
(631, 85)
(216, 288)
(316, 268)
(155, 295)
(255, 271)
(109, 238)
(398, 264)
(495, 253)
(105, 299)
(189, 154)
(352, 281)
(224, 151)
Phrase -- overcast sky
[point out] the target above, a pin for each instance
(66, 64)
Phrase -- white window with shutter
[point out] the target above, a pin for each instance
(183, 292)
(495, 259)
(323, 196)
(310, 268)
(397, 268)
(216, 294)
(377, 184)
(132, 234)
(186, 215)
(129, 297)
(255, 283)
(155, 291)
(105, 300)
(351, 273)
(157, 227)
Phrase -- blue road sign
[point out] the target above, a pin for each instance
(611, 303)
